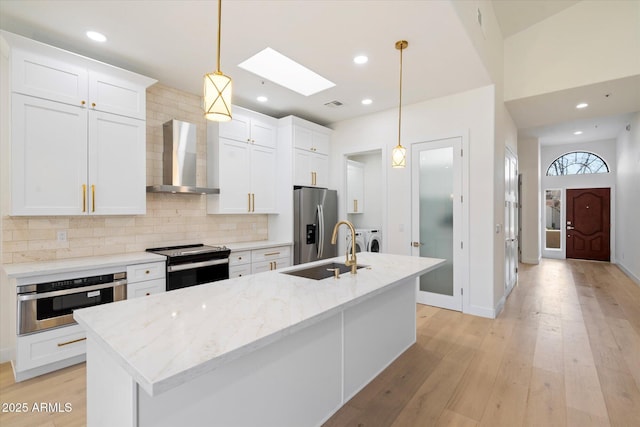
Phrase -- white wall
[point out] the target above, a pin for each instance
(627, 229)
(590, 42)
(529, 168)
(548, 153)
(469, 112)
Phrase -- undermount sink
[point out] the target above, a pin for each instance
(322, 271)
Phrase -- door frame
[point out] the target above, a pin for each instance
(464, 213)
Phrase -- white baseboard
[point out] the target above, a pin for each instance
(626, 271)
(481, 311)
(531, 260)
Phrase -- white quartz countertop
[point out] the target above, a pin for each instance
(27, 270)
(168, 339)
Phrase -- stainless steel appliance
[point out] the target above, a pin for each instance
(50, 305)
(191, 265)
(315, 214)
(179, 161)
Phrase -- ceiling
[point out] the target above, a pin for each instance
(174, 41)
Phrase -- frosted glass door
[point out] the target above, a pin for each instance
(437, 190)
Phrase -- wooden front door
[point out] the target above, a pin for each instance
(588, 223)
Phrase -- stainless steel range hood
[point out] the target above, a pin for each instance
(179, 161)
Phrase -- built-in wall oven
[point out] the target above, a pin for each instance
(191, 265)
(50, 305)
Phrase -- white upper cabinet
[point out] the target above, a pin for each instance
(250, 128)
(242, 163)
(310, 153)
(355, 187)
(78, 134)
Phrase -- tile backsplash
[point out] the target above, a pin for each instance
(171, 219)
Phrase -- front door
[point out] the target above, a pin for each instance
(588, 224)
(437, 219)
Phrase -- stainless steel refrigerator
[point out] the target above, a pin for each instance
(315, 215)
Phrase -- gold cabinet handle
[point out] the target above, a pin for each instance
(253, 202)
(62, 344)
(93, 198)
(93, 104)
(248, 202)
(83, 102)
(272, 254)
(355, 205)
(84, 197)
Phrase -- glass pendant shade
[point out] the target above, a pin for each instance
(399, 157)
(217, 97)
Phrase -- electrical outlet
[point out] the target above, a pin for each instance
(61, 236)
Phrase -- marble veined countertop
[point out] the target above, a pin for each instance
(168, 339)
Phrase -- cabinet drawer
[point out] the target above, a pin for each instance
(270, 254)
(146, 288)
(259, 267)
(239, 270)
(239, 258)
(46, 347)
(148, 271)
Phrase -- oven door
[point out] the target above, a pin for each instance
(46, 310)
(196, 273)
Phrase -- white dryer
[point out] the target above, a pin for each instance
(361, 243)
(374, 240)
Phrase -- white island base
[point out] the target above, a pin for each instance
(299, 380)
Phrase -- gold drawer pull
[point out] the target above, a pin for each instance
(272, 254)
(84, 197)
(62, 344)
(93, 198)
(147, 272)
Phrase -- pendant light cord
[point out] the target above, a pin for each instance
(219, 33)
(400, 106)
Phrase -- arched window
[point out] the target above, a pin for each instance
(576, 163)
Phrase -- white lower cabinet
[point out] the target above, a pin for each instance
(146, 279)
(46, 351)
(270, 259)
(242, 263)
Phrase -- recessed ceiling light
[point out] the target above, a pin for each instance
(582, 105)
(366, 101)
(360, 59)
(262, 98)
(274, 66)
(578, 132)
(96, 36)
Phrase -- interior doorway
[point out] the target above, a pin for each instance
(589, 223)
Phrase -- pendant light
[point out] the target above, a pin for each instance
(217, 87)
(399, 153)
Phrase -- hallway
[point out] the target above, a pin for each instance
(565, 351)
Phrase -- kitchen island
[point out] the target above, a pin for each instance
(269, 349)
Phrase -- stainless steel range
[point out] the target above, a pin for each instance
(192, 265)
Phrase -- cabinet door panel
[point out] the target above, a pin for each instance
(320, 166)
(263, 134)
(48, 78)
(116, 96)
(320, 143)
(302, 138)
(48, 157)
(263, 177)
(117, 162)
(237, 129)
(302, 167)
(235, 176)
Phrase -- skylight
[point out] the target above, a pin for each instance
(274, 66)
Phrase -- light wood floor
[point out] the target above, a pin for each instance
(565, 351)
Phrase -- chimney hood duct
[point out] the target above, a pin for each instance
(179, 161)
